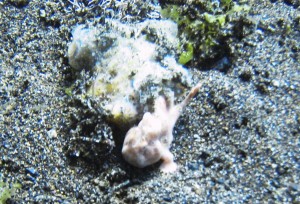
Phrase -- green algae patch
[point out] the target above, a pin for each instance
(69, 90)
(204, 28)
(186, 56)
(7, 191)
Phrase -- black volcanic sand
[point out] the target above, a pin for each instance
(237, 141)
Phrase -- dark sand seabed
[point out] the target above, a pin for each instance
(238, 141)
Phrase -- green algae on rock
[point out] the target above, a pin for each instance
(7, 191)
(204, 27)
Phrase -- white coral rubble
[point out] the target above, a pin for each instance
(127, 74)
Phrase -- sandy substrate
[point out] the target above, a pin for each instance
(237, 141)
